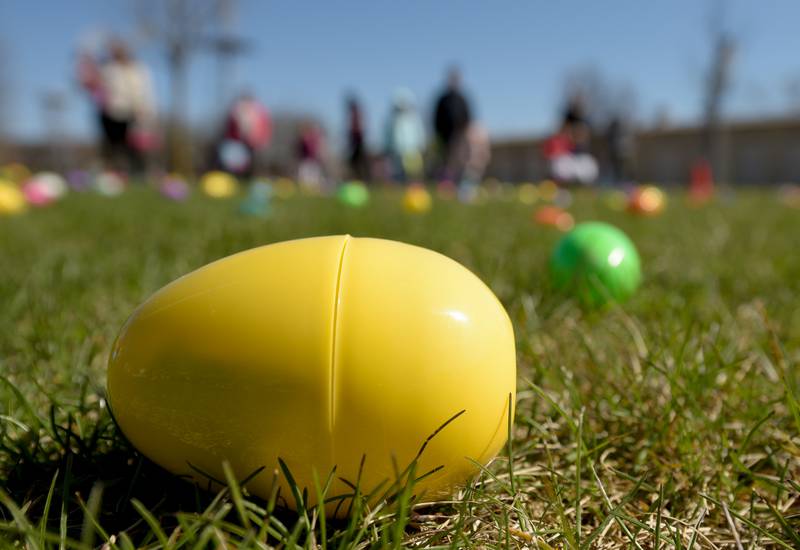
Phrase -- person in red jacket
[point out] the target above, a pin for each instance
(248, 129)
(310, 156)
(568, 149)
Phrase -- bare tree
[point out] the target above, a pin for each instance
(792, 91)
(54, 105)
(226, 46)
(5, 99)
(603, 98)
(180, 28)
(717, 84)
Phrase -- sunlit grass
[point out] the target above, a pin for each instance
(672, 421)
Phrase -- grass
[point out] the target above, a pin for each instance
(670, 422)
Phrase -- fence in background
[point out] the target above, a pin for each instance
(753, 153)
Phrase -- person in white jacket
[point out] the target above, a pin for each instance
(405, 138)
(123, 93)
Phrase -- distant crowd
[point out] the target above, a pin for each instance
(121, 91)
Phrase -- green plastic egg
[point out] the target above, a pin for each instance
(597, 263)
(354, 194)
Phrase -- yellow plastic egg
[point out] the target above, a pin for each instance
(219, 185)
(417, 199)
(284, 188)
(321, 352)
(12, 201)
(616, 200)
(15, 172)
(548, 190)
(528, 193)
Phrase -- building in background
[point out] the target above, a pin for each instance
(763, 151)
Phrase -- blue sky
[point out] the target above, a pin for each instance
(514, 55)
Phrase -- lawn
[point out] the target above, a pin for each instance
(672, 421)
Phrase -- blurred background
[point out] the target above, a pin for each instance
(377, 91)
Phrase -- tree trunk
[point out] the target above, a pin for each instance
(180, 150)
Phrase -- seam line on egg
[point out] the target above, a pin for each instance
(334, 331)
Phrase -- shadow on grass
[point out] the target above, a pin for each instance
(62, 483)
(54, 474)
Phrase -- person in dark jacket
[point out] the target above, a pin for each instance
(357, 151)
(576, 124)
(451, 120)
(619, 142)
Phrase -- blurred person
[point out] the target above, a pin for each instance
(310, 173)
(121, 89)
(568, 150)
(90, 77)
(357, 157)
(619, 141)
(478, 153)
(405, 138)
(451, 119)
(248, 124)
(575, 124)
